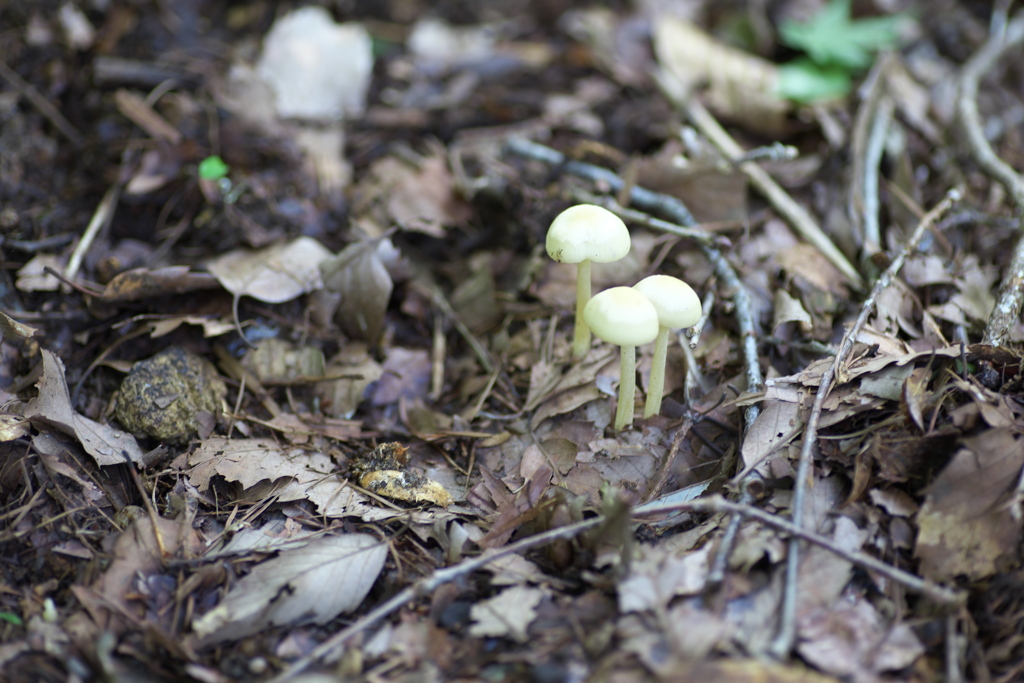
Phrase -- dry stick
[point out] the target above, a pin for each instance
(712, 504)
(783, 642)
(1010, 299)
(872, 161)
(870, 92)
(794, 214)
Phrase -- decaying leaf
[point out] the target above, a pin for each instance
(12, 329)
(356, 370)
(263, 467)
(507, 614)
(13, 427)
(107, 445)
(142, 283)
(274, 274)
(359, 276)
(329, 576)
(741, 86)
(962, 529)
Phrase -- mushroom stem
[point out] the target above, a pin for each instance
(627, 388)
(656, 387)
(581, 338)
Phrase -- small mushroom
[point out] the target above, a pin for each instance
(624, 317)
(582, 234)
(677, 306)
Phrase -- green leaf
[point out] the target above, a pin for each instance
(806, 82)
(11, 618)
(831, 38)
(213, 168)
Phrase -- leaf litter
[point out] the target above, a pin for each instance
(387, 271)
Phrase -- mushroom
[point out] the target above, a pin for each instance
(625, 317)
(677, 306)
(582, 234)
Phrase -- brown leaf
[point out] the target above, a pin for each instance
(143, 283)
(274, 274)
(962, 529)
(741, 86)
(359, 276)
(52, 407)
(330, 575)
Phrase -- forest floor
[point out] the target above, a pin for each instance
(288, 380)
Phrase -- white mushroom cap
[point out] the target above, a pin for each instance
(622, 316)
(676, 302)
(587, 232)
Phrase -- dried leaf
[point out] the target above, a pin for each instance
(962, 529)
(507, 614)
(274, 274)
(313, 584)
(778, 424)
(741, 86)
(359, 276)
(288, 474)
(107, 445)
(12, 329)
(143, 283)
(13, 427)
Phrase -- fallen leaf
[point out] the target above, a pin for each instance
(331, 575)
(12, 329)
(507, 614)
(288, 474)
(962, 530)
(143, 283)
(52, 407)
(358, 274)
(273, 274)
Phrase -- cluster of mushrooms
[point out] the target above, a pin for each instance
(625, 316)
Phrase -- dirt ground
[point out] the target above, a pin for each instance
(293, 385)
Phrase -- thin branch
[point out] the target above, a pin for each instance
(1010, 299)
(872, 161)
(787, 627)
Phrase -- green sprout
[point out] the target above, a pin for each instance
(837, 48)
(213, 168)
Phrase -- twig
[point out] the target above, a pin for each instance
(676, 212)
(872, 161)
(794, 214)
(695, 234)
(717, 504)
(29, 92)
(783, 642)
(639, 196)
(705, 306)
(100, 219)
(870, 92)
(1010, 299)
